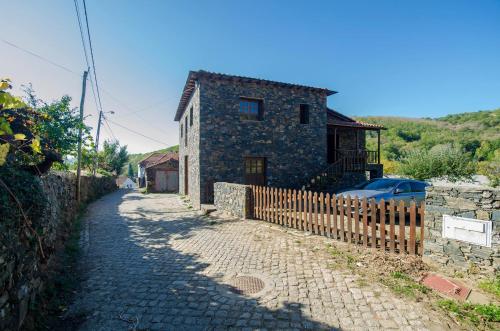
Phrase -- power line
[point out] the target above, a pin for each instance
(92, 54)
(138, 133)
(110, 130)
(41, 57)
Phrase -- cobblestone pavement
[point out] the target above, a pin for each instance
(151, 259)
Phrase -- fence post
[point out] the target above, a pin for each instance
(322, 214)
(294, 198)
(422, 226)
(413, 225)
(334, 212)
(382, 224)
(374, 223)
(392, 226)
(356, 220)
(349, 219)
(364, 208)
(341, 217)
(328, 216)
(402, 216)
(310, 207)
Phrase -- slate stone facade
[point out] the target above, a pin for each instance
(234, 199)
(472, 202)
(218, 140)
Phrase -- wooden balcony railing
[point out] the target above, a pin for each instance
(357, 157)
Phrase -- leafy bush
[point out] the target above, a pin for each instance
(443, 161)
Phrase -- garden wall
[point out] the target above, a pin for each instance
(23, 270)
(234, 199)
(482, 203)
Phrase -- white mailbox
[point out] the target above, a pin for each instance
(467, 229)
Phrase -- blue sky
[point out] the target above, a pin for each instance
(395, 58)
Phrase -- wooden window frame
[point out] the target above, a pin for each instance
(247, 116)
(186, 133)
(254, 168)
(304, 113)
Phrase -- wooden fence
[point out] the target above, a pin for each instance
(397, 228)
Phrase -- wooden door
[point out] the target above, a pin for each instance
(255, 171)
(172, 181)
(160, 181)
(186, 172)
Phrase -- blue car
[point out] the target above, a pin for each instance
(398, 189)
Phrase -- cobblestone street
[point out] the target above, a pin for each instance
(151, 262)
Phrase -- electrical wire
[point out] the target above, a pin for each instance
(138, 133)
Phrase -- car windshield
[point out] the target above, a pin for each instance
(380, 184)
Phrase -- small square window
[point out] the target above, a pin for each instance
(304, 113)
(250, 109)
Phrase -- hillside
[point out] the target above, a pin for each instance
(135, 158)
(477, 133)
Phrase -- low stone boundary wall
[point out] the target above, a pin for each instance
(234, 199)
(480, 203)
(23, 272)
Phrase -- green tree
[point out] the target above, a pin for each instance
(131, 174)
(442, 161)
(113, 157)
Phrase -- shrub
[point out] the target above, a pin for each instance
(442, 161)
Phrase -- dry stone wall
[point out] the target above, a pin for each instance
(234, 199)
(481, 203)
(23, 272)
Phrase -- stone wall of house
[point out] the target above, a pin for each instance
(234, 199)
(294, 152)
(190, 148)
(23, 272)
(472, 202)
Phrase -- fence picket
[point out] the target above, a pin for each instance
(328, 216)
(382, 224)
(373, 223)
(341, 218)
(294, 199)
(364, 208)
(315, 219)
(421, 211)
(349, 218)
(299, 202)
(356, 220)
(413, 225)
(334, 214)
(314, 212)
(392, 226)
(309, 209)
(401, 237)
(322, 214)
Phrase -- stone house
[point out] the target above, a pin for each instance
(163, 174)
(255, 131)
(144, 163)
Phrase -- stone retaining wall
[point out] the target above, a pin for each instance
(234, 199)
(22, 270)
(481, 203)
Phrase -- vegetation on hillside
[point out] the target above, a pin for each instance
(134, 159)
(466, 143)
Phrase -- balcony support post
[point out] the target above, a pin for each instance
(378, 146)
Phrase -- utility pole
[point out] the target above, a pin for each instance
(97, 140)
(80, 133)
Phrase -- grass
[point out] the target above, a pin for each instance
(343, 259)
(475, 314)
(402, 284)
(491, 286)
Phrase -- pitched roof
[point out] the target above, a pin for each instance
(338, 119)
(170, 156)
(193, 75)
(151, 159)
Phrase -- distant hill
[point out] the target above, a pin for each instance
(478, 133)
(135, 158)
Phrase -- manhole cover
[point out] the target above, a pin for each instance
(247, 285)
